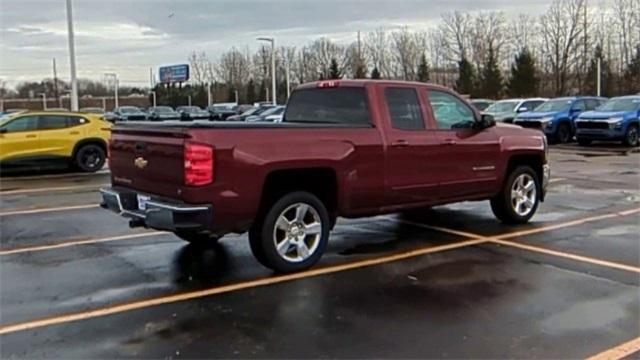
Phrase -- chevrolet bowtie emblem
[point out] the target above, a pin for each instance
(140, 162)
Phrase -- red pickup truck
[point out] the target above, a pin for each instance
(344, 148)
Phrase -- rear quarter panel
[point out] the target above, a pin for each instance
(244, 159)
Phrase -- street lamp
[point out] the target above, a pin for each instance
(153, 93)
(72, 58)
(273, 66)
(114, 76)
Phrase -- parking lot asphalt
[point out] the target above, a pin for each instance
(76, 282)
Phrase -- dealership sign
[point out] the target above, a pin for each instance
(174, 73)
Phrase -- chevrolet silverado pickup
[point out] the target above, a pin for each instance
(345, 148)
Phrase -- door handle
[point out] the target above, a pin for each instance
(400, 143)
(31, 136)
(448, 142)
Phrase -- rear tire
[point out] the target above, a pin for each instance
(196, 238)
(293, 234)
(518, 201)
(90, 158)
(631, 136)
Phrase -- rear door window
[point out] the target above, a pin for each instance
(345, 106)
(404, 109)
(52, 122)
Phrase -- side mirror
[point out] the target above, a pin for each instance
(523, 109)
(486, 121)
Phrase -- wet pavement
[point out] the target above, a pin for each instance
(75, 282)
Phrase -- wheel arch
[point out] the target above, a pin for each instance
(321, 182)
(533, 160)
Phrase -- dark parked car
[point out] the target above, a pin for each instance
(160, 113)
(192, 113)
(129, 113)
(251, 112)
(344, 148)
(221, 112)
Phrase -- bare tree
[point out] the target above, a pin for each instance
(377, 48)
(406, 47)
(321, 52)
(562, 31)
(234, 68)
(456, 34)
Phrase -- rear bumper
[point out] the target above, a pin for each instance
(159, 213)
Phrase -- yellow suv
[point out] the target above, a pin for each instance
(34, 137)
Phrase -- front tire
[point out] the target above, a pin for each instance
(293, 234)
(519, 198)
(631, 136)
(90, 158)
(563, 133)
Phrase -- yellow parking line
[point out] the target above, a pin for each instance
(565, 255)
(44, 210)
(500, 239)
(51, 189)
(619, 352)
(79, 242)
(477, 239)
(110, 310)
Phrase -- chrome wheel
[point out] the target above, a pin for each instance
(523, 194)
(297, 232)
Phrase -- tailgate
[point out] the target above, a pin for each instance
(149, 160)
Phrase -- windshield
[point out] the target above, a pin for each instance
(273, 111)
(554, 105)
(503, 106)
(620, 104)
(162, 109)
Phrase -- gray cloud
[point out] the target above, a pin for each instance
(129, 36)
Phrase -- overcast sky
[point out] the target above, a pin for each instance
(130, 36)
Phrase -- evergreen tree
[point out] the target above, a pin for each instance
(334, 71)
(605, 74)
(632, 74)
(490, 79)
(251, 92)
(375, 73)
(361, 70)
(523, 81)
(466, 83)
(423, 69)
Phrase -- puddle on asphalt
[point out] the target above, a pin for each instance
(617, 230)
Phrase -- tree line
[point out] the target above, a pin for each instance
(486, 54)
(480, 54)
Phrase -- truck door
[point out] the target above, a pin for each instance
(467, 158)
(409, 157)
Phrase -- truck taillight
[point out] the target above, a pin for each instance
(198, 164)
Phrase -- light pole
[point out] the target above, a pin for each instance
(237, 97)
(273, 66)
(72, 58)
(189, 100)
(44, 101)
(153, 93)
(114, 76)
(286, 62)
